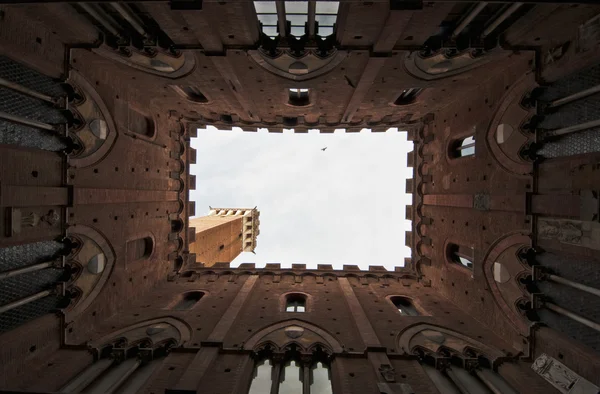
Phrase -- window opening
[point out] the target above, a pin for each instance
(266, 11)
(408, 96)
(191, 93)
(299, 97)
(139, 123)
(188, 300)
(326, 16)
(140, 248)
(296, 16)
(295, 303)
(261, 381)
(291, 376)
(405, 306)
(463, 147)
(320, 382)
(461, 255)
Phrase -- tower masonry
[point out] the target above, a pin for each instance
(224, 233)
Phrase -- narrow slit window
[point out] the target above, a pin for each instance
(405, 306)
(295, 303)
(461, 255)
(408, 96)
(299, 97)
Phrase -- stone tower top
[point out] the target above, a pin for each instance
(250, 223)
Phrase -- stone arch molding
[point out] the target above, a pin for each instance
(294, 331)
(436, 338)
(155, 331)
(501, 290)
(511, 116)
(97, 132)
(96, 259)
(440, 65)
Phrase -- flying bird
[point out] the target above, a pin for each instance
(324, 149)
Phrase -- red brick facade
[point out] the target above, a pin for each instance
(107, 180)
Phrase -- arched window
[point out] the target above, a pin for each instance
(461, 255)
(404, 306)
(408, 96)
(299, 97)
(140, 248)
(139, 123)
(191, 93)
(453, 378)
(295, 303)
(122, 368)
(291, 376)
(188, 300)
(463, 147)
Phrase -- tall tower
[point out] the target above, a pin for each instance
(224, 233)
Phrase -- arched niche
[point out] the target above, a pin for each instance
(436, 339)
(304, 334)
(505, 136)
(97, 132)
(95, 259)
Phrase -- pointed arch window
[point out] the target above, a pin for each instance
(121, 368)
(301, 17)
(291, 375)
(449, 375)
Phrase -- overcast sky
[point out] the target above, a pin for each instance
(345, 205)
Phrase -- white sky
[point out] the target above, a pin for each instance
(342, 206)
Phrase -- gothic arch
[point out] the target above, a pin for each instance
(511, 112)
(436, 338)
(93, 241)
(500, 246)
(309, 335)
(439, 65)
(154, 330)
(98, 133)
(186, 62)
